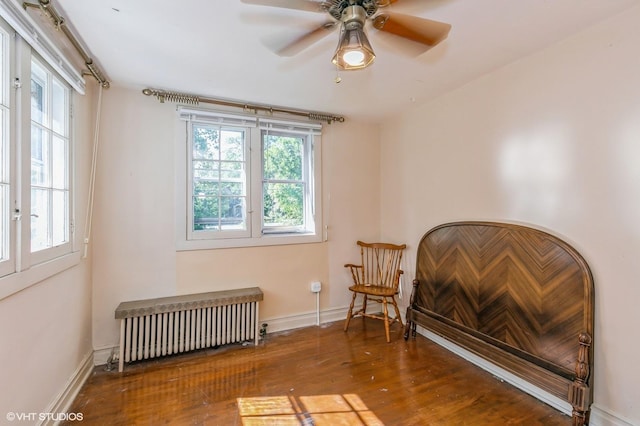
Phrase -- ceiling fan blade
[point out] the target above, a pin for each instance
(422, 30)
(385, 3)
(306, 40)
(306, 5)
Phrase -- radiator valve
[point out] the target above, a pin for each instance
(263, 330)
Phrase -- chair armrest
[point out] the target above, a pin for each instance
(354, 272)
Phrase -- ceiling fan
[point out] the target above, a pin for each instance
(354, 50)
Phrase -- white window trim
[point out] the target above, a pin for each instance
(308, 178)
(209, 235)
(257, 240)
(18, 281)
(30, 268)
(53, 252)
(8, 265)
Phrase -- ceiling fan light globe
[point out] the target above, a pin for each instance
(353, 57)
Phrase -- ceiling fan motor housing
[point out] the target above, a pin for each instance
(353, 17)
(339, 8)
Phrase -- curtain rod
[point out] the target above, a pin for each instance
(59, 23)
(163, 95)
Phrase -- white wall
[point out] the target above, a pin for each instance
(553, 141)
(134, 236)
(45, 329)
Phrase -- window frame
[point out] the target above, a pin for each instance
(7, 169)
(52, 250)
(255, 126)
(205, 235)
(306, 181)
(24, 268)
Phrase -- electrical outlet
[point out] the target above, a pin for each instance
(316, 286)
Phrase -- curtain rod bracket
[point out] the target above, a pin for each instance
(60, 25)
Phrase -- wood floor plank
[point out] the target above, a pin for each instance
(311, 376)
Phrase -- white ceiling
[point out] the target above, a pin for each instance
(224, 49)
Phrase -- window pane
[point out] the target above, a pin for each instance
(205, 213)
(232, 188)
(3, 52)
(38, 94)
(50, 197)
(232, 213)
(206, 169)
(219, 178)
(39, 156)
(218, 214)
(283, 204)
(4, 222)
(59, 108)
(231, 148)
(283, 157)
(5, 205)
(206, 144)
(39, 219)
(59, 163)
(206, 188)
(3, 147)
(59, 219)
(232, 171)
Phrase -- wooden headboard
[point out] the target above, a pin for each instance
(516, 296)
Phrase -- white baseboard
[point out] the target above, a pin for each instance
(599, 415)
(65, 398)
(303, 320)
(602, 417)
(502, 374)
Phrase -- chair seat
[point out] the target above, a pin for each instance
(375, 290)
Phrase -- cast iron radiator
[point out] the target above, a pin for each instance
(170, 325)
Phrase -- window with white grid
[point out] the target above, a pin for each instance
(249, 181)
(36, 197)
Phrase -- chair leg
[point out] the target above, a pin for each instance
(395, 305)
(386, 319)
(350, 313)
(364, 305)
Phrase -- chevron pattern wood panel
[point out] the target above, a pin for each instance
(522, 289)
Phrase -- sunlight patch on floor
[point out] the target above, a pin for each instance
(318, 410)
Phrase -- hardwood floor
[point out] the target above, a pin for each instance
(311, 376)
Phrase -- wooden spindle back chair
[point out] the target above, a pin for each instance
(377, 278)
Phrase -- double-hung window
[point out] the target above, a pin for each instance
(36, 199)
(248, 181)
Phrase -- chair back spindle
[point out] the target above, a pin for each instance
(381, 264)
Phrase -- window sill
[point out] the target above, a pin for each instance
(18, 281)
(265, 240)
